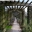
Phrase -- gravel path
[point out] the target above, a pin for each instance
(15, 27)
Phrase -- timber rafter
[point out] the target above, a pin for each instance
(8, 3)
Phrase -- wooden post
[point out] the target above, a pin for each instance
(28, 16)
(22, 17)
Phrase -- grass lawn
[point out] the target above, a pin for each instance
(8, 27)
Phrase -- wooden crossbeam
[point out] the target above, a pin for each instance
(18, 10)
(8, 3)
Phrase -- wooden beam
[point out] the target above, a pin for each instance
(9, 3)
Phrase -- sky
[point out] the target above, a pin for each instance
(22, 0)
(26, 0)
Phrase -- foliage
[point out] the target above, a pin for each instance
(27, 28)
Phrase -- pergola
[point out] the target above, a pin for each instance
(10, 3)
